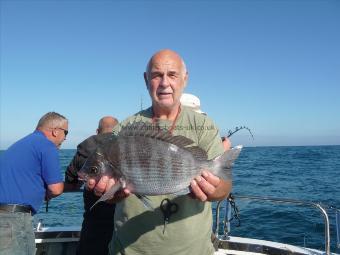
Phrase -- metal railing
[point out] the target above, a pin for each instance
(275, 200)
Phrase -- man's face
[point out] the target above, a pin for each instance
(60, 134)
(166, 79)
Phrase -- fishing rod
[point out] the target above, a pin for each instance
(230, 132)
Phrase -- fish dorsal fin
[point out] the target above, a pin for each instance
(180, 141)
(198, 152)
(149, 130)
(131, 128)
(103, 138)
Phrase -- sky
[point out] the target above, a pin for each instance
(273, 66)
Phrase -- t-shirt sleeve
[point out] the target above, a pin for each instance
(210, 139)
(51, 172)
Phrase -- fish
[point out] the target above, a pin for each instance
(149, 161)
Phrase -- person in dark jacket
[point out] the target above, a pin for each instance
(97, 226)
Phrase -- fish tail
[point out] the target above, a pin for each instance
(222, 164)
(109, 194)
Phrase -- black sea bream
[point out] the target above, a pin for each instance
(153, 162)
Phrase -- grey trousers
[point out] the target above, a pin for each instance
(16, 234)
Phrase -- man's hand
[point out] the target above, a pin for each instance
(209, 187)
(103, 185)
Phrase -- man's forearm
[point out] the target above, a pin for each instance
(54, 190)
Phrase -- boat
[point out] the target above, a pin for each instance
(63, 240)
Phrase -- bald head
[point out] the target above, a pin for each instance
(106, 124)
(166, 54)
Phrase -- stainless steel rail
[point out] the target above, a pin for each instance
(337, 219)
(284, 201)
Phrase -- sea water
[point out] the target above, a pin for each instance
(304, 173)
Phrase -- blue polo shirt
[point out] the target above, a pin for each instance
(26, 168)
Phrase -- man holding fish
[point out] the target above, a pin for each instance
(161, 217)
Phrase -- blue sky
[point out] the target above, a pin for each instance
(273, 66)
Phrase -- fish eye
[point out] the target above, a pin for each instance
(94, 169)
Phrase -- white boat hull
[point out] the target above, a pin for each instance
(63, 241)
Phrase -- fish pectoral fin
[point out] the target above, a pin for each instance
(109, 194)
(146, 201)
(183, 191)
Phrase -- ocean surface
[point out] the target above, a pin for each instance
(310, 173)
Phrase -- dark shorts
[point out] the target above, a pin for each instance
(95, 236)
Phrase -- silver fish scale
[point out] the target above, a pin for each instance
(153, 167)
(152, 163)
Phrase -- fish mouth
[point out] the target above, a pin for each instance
(82, 176)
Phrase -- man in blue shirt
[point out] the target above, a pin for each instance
(29, 173)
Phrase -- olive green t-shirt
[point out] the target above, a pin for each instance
(139, 230)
